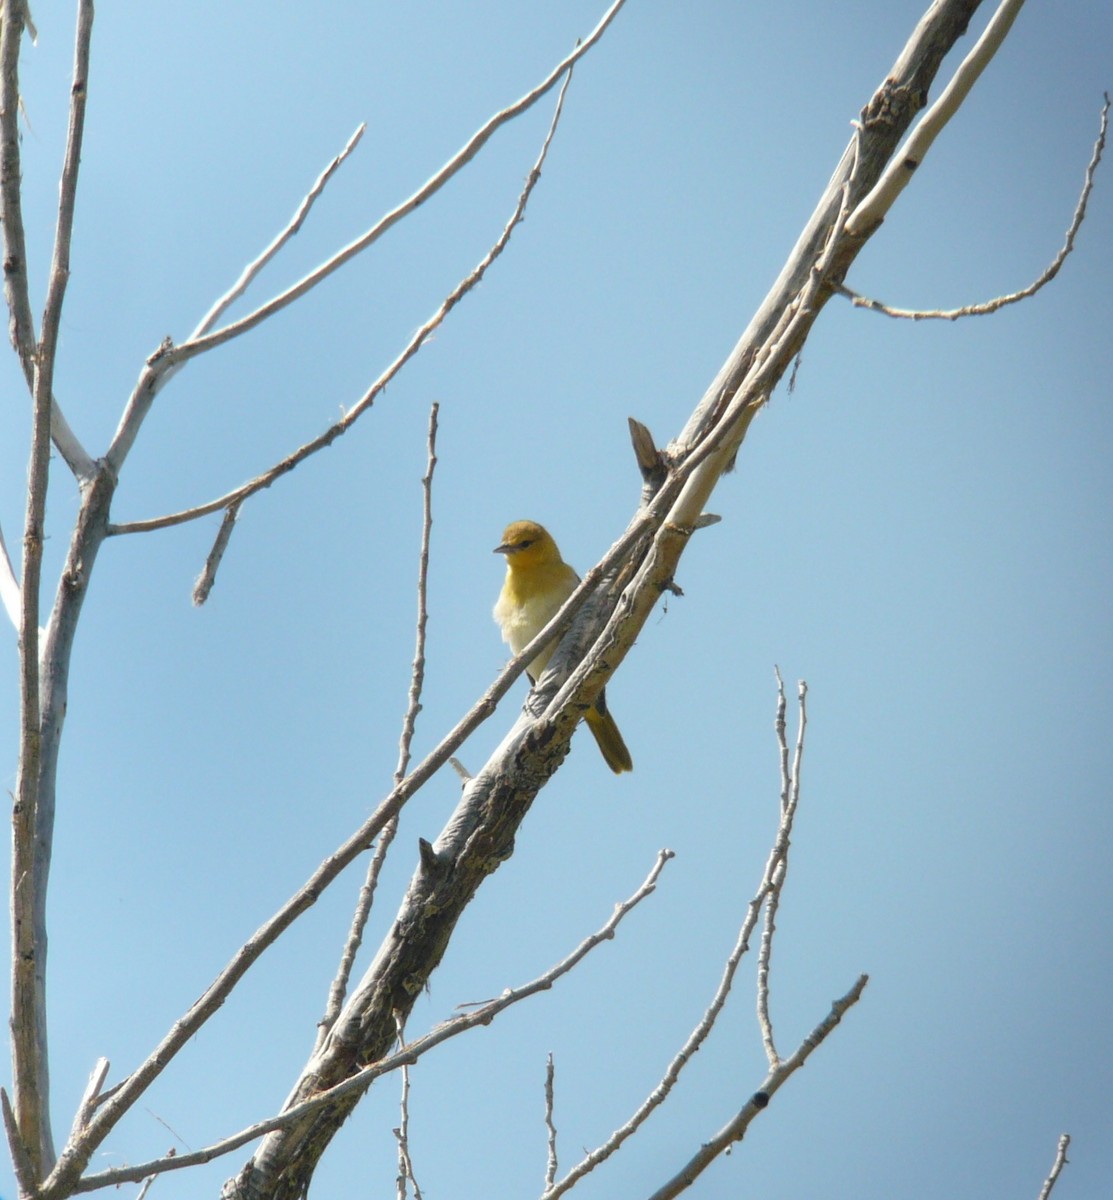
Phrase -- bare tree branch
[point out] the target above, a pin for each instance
(339, 986)
(358, 1083)
(550, 1126)
(790, 798)
(735, 1128)
(419, 338)
(768, 890)
(169, 356)
(883, 122)
(21, 1159)
(990, 306)
(91, 1096)
(21, 325)
(402, 1133)
(1056, 1167)
(204, 583)
(872, 209)
(33, 814)
(253, 269)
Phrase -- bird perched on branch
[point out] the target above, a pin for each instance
(538, 581)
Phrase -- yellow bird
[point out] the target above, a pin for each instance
(538, 581)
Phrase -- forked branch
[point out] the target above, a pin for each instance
(412, 347)
(169, 357)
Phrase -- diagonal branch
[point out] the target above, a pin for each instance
(872, 209)
(252, 270)
(790, 798)
(419, 338)
(167, 357)
(1056, 1167)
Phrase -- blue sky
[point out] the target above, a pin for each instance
(921, 530)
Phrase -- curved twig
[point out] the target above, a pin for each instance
(990, 306)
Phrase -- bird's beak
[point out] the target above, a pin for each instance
(501, 549)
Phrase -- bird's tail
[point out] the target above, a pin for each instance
(605, 732)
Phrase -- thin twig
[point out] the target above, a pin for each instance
(21, 324)
(873, 208)
(771, 879)
(339, 987)
(204, 583)
(413, 1051)
(402, 1133)
(169, 357)
(252, 270)
(551, 1162)
(790, 798)
(1056, 1167)
(999, 302)
(91, 1096)
(417, 675)
(419, 338)
(21, 1159)
(736, 1127)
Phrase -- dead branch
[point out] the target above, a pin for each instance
(1056, 1167)
(417, 679)
(735, 1129)
(33, 813)
(769, 889)
(412, 347)
(169, 357)
(550, 1126)
(253, 269)
(872, 208)
(999, 302)
(358, 1083)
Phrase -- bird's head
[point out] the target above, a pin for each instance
(527, 544)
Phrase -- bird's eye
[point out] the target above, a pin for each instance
(524, 543)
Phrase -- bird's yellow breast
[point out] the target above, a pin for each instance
(530, 598)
